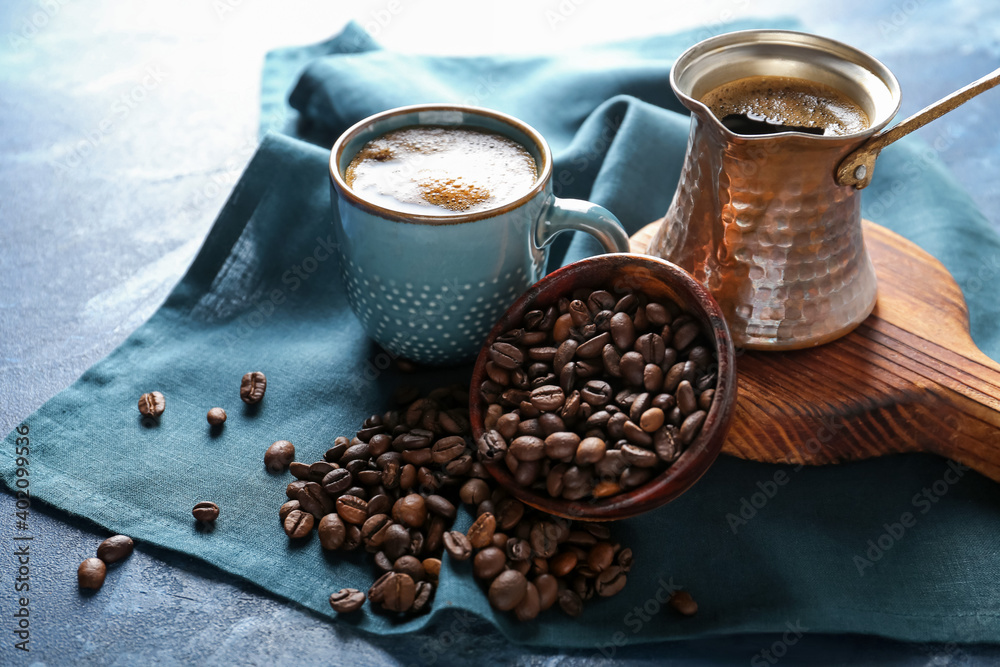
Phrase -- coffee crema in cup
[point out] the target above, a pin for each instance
(437, 170)
(771, 104)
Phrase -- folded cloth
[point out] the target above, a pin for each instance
(763, 548)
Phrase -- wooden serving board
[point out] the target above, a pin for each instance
(908, 379)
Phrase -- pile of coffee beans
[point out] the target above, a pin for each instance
(528, 560)
(393, 491)
(596, 394)
(92, 571)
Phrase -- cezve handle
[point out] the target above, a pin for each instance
(857, 167)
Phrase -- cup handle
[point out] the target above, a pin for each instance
(575, 214)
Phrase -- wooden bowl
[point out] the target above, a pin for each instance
(658, 279)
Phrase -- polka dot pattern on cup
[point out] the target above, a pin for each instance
(430, 322)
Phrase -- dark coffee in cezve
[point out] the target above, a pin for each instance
(434, 170)
(771, 104)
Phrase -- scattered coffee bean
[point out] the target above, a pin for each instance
(91, 573)
(205, 511)
(298, 524)
(457, 545)
(394, 486)
(347, 600)
(216, 416)
(252, 387)
(279, 455)
(152, 404)
(115, 548)
(683, 603)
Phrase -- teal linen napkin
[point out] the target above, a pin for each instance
(763, 548)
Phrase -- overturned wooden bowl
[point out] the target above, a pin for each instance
(658, 279)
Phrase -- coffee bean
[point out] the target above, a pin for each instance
(216, 417)
(332, 532)
(567, 377)
(441, 506)
(593, 347)
(652, 378)
(564, 354)
(377, 591)
(637, 456)
(628, 304)
(674, 377)
(570, 603)
(601, 556)
(683, 603)
(624, 559)
(691, 426)
(544, 538)
(488, 563)
(315, 500)
(347, 600)
(293, 488)
(632, 367)
(600, 300)
(481, 531)
(543, 353)
(279, 455)
(398, 592)
(705, 399)
(685, 335)
(579, 312)
(548, 590)
(432, 567)
(651, 420)
(374, 529)
(635, 434)
(530, 604)
(590, 451)
(252, 387)
(527, 448)
(651, 347)
(410, 510)
(506, 356)
(517, 549)
(337, 480)
(509, 513)
(91, 573)
(474, 491)
(596, 393)
(547, 398)
(410, 566)
(151, 404)
(634, 477)
(686, 399)
(115, 548)
(507, 590)
(351, 509)
(298, 524)
(457, 545)
(205, 511)
(622, 331)
(447, 449)
(397, 541)
(288, 507)
(610, 582)
(657, 315)
(491, 446)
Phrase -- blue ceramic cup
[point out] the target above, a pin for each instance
(430, 287)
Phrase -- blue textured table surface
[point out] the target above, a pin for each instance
(122, 131)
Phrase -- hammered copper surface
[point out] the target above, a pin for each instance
(762, 223)
(761, 220)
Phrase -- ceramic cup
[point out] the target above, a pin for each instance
(429, 287)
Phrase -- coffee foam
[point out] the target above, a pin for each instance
(431, 170)
(788, 101)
